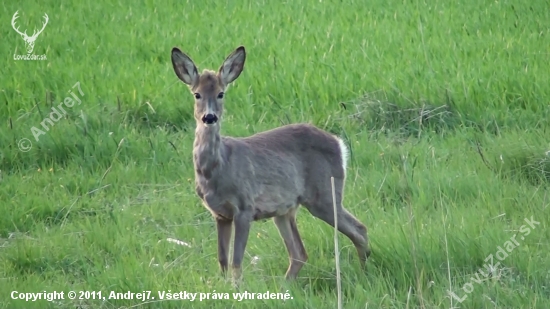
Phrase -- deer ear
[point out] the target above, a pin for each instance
(184, 67)
(232, 66)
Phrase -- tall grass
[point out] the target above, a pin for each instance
(444, 106)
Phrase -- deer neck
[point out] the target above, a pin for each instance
(208, 150)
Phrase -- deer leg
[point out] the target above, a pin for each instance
(288, 230)
(242, 221)
(357, 232)
(224, 238)
(347, 225)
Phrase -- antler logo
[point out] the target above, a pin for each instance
(29, 40)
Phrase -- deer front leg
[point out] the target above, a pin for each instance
(223, 226)
(242, 221)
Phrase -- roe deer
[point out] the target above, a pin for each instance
(266, 175)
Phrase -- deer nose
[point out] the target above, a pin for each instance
(209, 119)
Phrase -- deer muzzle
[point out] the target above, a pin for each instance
(209, 119)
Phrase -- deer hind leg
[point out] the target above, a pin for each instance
(286, 224)
(347, 225)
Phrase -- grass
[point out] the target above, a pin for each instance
(445, 106)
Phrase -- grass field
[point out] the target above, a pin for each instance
(444, 104)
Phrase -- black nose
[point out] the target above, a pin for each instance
(209, 118)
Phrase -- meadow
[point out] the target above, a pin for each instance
(444, 105)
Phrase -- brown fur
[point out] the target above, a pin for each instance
(266, 175)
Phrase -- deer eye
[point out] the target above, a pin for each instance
(220, 95)
(197, 96)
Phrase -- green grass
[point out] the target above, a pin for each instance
(445, 106)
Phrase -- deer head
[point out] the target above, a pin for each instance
(29, 40)
(208, 88)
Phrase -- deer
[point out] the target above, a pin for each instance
(29, 40)
(266, 175)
